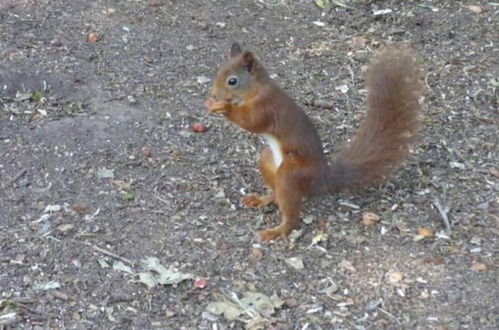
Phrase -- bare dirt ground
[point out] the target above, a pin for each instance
(99, 169)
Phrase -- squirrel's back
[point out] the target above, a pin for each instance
(391, 124)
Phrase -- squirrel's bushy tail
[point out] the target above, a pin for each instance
(391, 124)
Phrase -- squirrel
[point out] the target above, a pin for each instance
(294, 165)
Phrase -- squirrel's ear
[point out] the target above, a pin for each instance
(235, 49)
(248, 60)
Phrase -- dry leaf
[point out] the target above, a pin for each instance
(423, 233)
(369, 219)
(394, 276)
(320, 237)
(478, 267)
(494, 172)
(122, 185)
(295, 262)
(253, 303)
(105, 173)
(347, 265)
(65, 227)
(358, 42)
(109, 11)
(475, 9)
(320, 4)
(426, 232)
(402, 227)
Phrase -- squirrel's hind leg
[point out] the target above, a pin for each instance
(292, 184)
(268, 171)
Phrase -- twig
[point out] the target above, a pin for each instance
(444, 211)
(110, 254)
(17, 177)
(389, 315)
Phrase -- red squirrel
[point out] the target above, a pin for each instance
(294, 166)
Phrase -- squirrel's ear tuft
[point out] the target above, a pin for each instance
(235, 49)
(248, 61)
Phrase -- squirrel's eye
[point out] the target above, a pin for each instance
(232, 81)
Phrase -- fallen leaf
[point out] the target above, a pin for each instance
(148, 279)
(319, 237)
(382, 12)
(295, 262)
(103, 262)
(369, 219)
(402, 227)
(358, 42)
(295, 235)
(478, 267)
(51, 285)
(423, 233)
(109, 11)
(163, 275)
(36, 96)
(329, 291)
(65, 227)
(426, 232)
(308, 220)
(343, 5)
(9, 318)
(320, 4)
(348, 265)
(122, 185)
(252, 304)
(394, 276)
(458, 165)
(23, 96)
(418, 238)
(120, 265)
(128, 196)
(475, 9)
(109, 314)
(494, 172)
(319, 23)
(203, 80)
(52, 208)
(105, 173)
(291, 302)
(260, 302)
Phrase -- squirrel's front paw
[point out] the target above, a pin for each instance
(217, 106)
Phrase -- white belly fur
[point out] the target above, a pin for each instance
(275, 148)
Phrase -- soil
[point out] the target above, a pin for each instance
(99, 164)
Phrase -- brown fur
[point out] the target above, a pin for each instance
(383, 139)
(257, 104)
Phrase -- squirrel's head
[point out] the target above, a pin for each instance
(237, 78)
